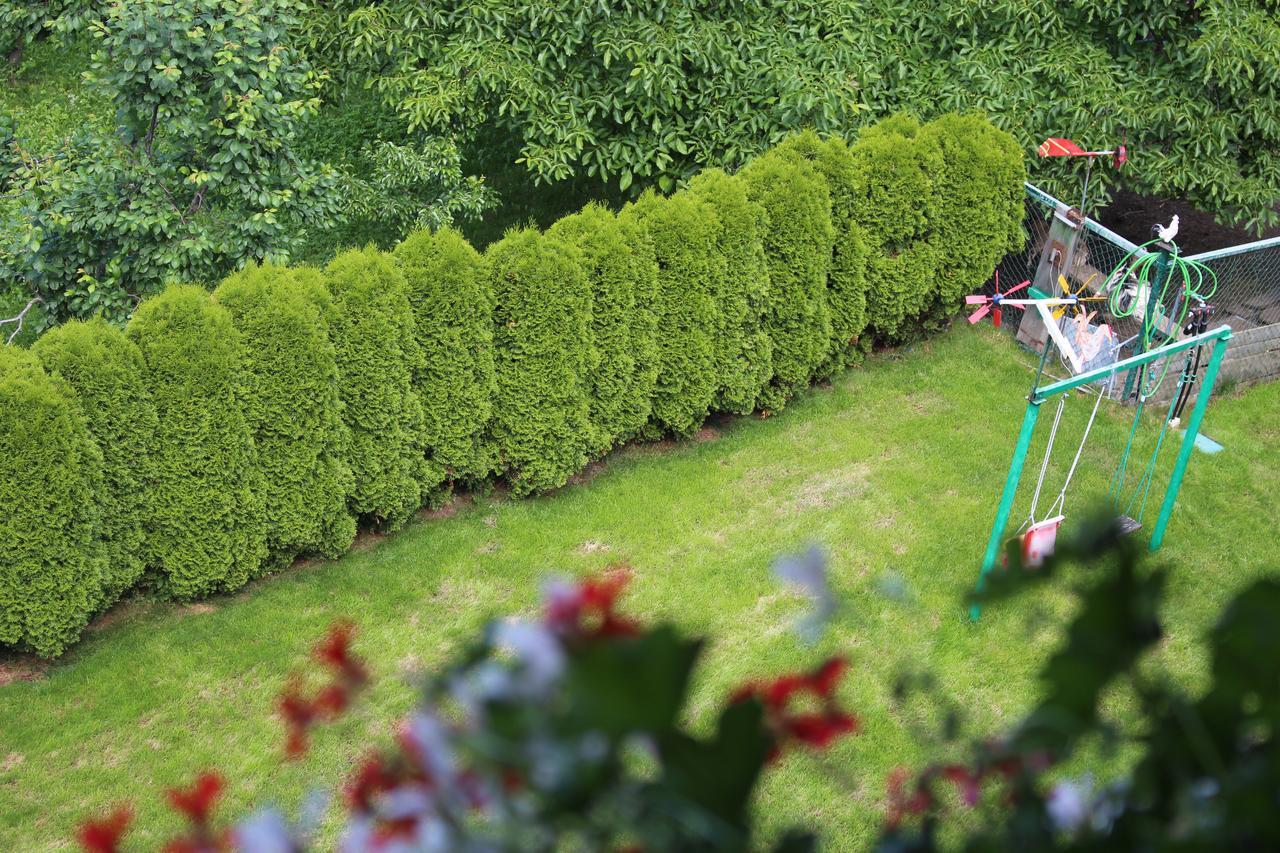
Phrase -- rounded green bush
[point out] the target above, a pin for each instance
(744, 350)
(682, 230)
(847, 275)
(644, 321)
(208, 528)
(107, 373)
(50, 478)
(896, 205)
(541, 341)
(452, 308)
(291, 402)
(982, 183)
(619, 395)
(798, 245)
(378, 356)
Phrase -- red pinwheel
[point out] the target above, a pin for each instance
(991, 303)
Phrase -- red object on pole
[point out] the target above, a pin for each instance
(1056, 146)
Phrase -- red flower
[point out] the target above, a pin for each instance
(902, 803)
(818, 728)
(968, 783)
(299, 714)
(371, 778)
(588, 610)
(197, 802)
(103, 836)
(334, 651)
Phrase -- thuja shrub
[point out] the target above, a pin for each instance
(644, 319)
(683, 231)
(541, 345)
(106, 371)
(50, 478)
(619, 396)
(743, 348)
(896, 205)
(846, 275)
(291, 403)
(378, 356)
(798, 245)
(208, 525)
(448, 288)
(981, 183)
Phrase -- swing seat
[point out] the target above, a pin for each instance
(1127, 525)
(1040, 540)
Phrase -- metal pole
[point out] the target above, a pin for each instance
(1188, 441)
(1162, 269)
(1006, 498)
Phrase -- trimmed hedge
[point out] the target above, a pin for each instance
(244, 429)
(683, 232)
(847, 274)
(105, 369)
(618, 389)
(291, 403)
(798, 244)
(541, 346)
(377, 357)
(743, 348)
(209, 529)
(448, 287)
(897, 207)
(50, 476)
(981, 183)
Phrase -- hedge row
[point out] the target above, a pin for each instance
(218, 437)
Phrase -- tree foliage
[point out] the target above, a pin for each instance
(292, 405)
(620, 395)
(448, 287)
(798, 244)
(846, 276)
(896, 205)
(741, 291)
(541, 346)
(106, 371)
(650, 92)
(209, 532)
(199, 175)
(50, 474)
(683, 231)
(378, 356)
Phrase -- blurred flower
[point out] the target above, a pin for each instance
(539, 652)
(815, 728)
(103, 835)
(586, 610)
(1068, 803)
(808, 571)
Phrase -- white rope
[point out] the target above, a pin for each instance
(1061, 500)
(1044, 465)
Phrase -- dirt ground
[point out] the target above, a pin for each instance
(1131, 216)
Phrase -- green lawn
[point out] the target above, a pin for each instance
(895, 468)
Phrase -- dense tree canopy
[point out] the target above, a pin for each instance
(649, 91)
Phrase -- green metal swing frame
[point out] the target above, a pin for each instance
(1217, 337)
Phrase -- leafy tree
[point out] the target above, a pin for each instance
(650, 92)
(743, 348)
(206, 497)
(22, 21)
(50, 477)
(798, 244)
(292, 404)
(981, 181)
(200, 174)
(541, 346)
(897, 207)
(846, 276)
(106, 371)
(448, 287)
(683, 231)
(378, 357)
(619, 395)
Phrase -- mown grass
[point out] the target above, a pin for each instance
(895, 468)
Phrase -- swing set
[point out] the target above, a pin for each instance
(1167, 295)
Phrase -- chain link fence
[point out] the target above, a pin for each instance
(1247, 296)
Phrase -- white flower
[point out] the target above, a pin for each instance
(1068, 803)
(540, 654)
(265, 831)
(809, 572)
